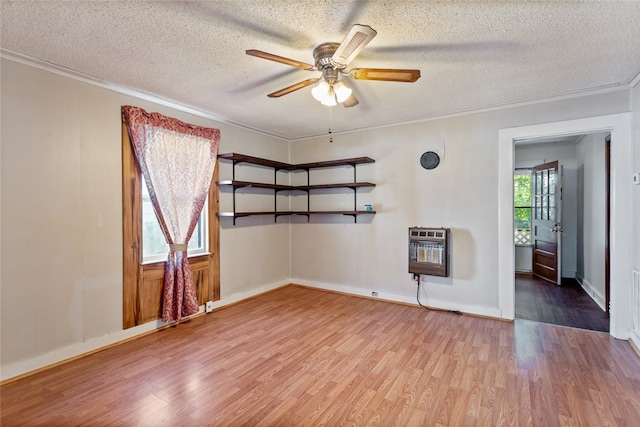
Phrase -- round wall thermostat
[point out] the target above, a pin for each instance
(429, 160)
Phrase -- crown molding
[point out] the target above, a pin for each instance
(150, 97)
(578, 94)
(629, 82)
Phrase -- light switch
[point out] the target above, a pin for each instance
(636, 178)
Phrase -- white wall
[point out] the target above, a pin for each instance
(635, 95)
(636, 169)
(461, 194)
(254, 253)
(61, 278)
(592, 216)
(527, 156)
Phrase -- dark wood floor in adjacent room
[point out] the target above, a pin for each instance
(565, 305)
(305, 357)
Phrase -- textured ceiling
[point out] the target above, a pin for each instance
(471, 55)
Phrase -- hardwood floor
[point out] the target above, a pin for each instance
(565, 305)
(305, 357)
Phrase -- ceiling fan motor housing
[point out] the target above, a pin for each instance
(322, 55)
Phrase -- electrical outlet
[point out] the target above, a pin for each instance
(208, 307)
(374, 294)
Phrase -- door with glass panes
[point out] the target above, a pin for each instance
(546, 221)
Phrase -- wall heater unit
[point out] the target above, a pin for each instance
(429, 251)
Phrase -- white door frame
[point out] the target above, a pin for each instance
(620, 276)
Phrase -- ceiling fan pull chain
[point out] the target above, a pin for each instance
(330, 124)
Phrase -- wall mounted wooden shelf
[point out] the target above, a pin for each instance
(280, 166)
(238, 158)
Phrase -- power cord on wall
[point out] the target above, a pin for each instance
(416, 277)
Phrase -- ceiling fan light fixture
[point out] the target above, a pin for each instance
(343, 92)
(330, 94)
(321, 91)
(325, 93)
(329, 102)
(330, 98)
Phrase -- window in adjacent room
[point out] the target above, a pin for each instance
(522, 206)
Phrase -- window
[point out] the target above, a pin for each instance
(522, 207)
(143, 279)
(154, 245)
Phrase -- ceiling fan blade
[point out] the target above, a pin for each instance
(292, 88)
(355, 40)
(385, 74)
(280, 59)
(351, 101)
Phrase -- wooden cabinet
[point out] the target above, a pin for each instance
(236, 159)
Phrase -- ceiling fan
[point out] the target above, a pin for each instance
(332, 59)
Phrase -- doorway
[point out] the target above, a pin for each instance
(560, 265)
(619, 127)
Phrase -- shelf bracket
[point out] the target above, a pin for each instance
(354, 215)
(308, 194)
(233, 179)
(355, 192)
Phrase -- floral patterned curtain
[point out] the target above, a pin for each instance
(177, 161)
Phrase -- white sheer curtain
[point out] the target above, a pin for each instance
(177, 161)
